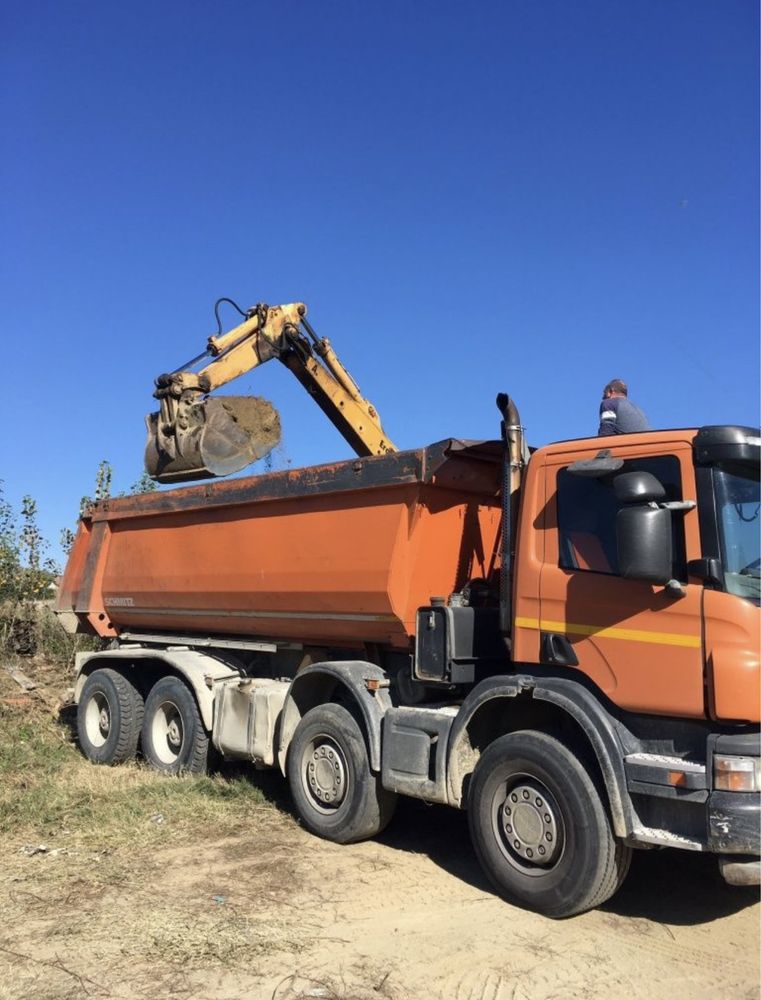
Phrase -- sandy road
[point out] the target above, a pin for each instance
(280, 915)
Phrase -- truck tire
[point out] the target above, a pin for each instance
(335, 793)
(540, 829)
(174, 739)
(109, 716)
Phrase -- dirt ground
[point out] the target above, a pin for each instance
(279, 915)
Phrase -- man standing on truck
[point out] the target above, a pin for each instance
(618, 415)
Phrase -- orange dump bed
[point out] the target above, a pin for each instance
(328, 554)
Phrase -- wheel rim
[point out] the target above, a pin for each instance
(324, 773)
(167, 732)
(98, 719)
(528, 825)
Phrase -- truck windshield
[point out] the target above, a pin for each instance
(738, 503)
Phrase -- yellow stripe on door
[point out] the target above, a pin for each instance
(602, 632)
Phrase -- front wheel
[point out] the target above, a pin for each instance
(174, 739)
(540, 829)
(335, 793)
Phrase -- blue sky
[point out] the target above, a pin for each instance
(533, 197)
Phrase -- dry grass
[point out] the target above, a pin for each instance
(216, 936)
(112, 860)
(51, 796)
(72, 833)
(32, 628)
(297, 987)
(121, 883)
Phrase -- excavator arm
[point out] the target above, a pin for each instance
(196, 436)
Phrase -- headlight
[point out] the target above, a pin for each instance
(736, 774)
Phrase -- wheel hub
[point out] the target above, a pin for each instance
(167, 732)
(174, 734)
(529, 824)
(326, 775)
(104, 721)
(97, 719)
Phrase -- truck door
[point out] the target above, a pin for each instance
(640, 644)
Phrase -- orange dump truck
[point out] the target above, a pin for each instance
(563, 641)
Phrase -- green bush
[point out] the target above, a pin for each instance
(27, 578)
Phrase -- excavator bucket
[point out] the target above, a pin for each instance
(204, 438)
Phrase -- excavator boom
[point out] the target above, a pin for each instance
(198, 436)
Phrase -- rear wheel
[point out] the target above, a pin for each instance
(109, 715)
(540, 829)
(335, 793)
(174, 739)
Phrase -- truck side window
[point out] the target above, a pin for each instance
(587, 517)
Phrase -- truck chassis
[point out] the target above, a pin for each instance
(558, 788)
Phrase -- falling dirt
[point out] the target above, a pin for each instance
(257, 418)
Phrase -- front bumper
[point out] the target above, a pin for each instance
(740, 871)
(734, 818)
(734, 823)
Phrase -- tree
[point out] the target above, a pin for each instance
(103, 479)
(144, 484)
(25, 574)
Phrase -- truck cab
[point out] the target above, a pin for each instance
(634, 639)
(686, 646)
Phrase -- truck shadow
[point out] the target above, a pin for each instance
(678, 887)
(667, 886)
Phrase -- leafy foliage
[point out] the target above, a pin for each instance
(144, 484)
(28, 575)
(103, 480)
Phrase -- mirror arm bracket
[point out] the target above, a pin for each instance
(675, 506)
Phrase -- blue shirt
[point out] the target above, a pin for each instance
(620, 416)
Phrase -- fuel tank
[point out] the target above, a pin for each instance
(336, 554)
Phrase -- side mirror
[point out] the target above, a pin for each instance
(638, 487)
(643, 537)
